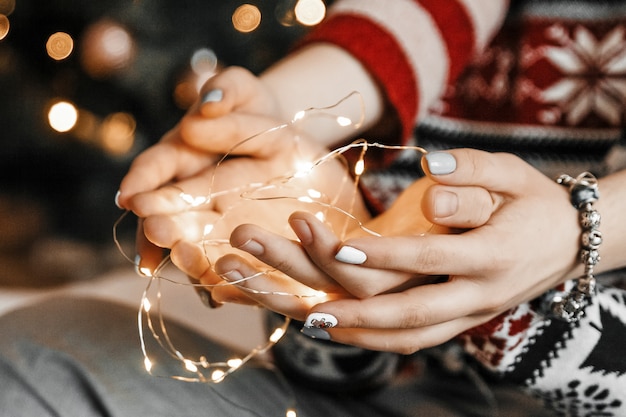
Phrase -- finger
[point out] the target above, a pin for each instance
(230, 90)
(406, 341)
(159, 164)
(149, 255)
(283, 254)
(422, 306)
(235, 133)
(479, 168)
(166, 230)
(321, 245)
(460, 207)
(191, 259)
(272, 289)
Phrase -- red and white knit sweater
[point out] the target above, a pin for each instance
(543, 79)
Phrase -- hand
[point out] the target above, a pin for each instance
(527, 245)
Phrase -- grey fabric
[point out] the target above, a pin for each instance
(81, 357)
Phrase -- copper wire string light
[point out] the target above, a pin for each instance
(292, 188)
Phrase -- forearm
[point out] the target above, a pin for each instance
(320, 75)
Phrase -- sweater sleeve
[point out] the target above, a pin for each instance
(413, 48)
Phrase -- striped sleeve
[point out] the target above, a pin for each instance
(413, 48)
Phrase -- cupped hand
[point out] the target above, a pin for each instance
(522, 241)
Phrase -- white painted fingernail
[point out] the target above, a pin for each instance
(320, 321)
(350, 255)
(117, 199)
(213, 96)
(440, 163)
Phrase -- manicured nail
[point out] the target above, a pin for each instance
(302, 230)
(142, 271)
(315, 333)
(440, 163)
(350, 255)
(232, 276)
(252, 247)
(446, 204)
(320, 321)
(117, 200)
(213, 96)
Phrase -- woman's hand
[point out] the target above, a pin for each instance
(527, 245)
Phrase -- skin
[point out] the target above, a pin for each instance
(528, 245)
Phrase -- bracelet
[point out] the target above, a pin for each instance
(583, 193)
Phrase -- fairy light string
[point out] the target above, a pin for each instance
(151, 321)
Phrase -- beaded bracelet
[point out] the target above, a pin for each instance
(583, 193)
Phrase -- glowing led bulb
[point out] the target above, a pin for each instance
(146, 305)
(235, 362)
(291, 413)
(343, 121)
(218, 375)
(147, 364)
(276, 335)
(299, 115)
(145, 271)
(359, 167)
(320, 216)
(190, 366)
(303, 168)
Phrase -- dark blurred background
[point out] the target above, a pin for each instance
(123, 72)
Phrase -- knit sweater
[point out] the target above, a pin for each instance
(545, 80)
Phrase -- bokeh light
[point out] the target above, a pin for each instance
(106, 48)
(4, 26)
(7, 7)
(310, 12)
(246, 18)
(62, 116)
(59, 46)
(117, 133)
(204, 61)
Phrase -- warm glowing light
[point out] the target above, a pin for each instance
(145, 271)
(117, 133)
(310, 12)
(5, 25)
(106, 48)
(246, 18)
(343, 121)
(299, 115)
(303, 168)
(193, 201)
(59, 46)
(218, 375)
(314, 193)
(235, 362)
(305, 199)
(147, 364)
(7, 7)
(62, 116)
(291, 413)
(320, 216)
(190, 366)
(359, 167)
(320, 294)
(146, 305)
(276, 335)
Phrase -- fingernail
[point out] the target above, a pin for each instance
(232, 276)
(302, 230)
(212, 96)
(440, 163)
(207, 298)
(141, 271)
(315, 333)
(252, 247)
(350, 255)
(446, 204)
(320, 321)
(117, 199)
